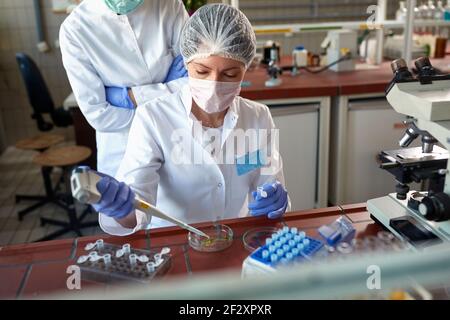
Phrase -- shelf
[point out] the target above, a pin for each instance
(354, 25)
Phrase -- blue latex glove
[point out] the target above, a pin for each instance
(117, 198)
(176, 70)
(270, 199)
(118, 97)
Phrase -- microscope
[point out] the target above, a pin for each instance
(420, 217)
(273, 69)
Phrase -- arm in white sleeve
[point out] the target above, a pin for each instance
(148, 92)
(89, 89)
(180, 18)
(138, 169)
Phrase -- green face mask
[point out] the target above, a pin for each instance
(123, 6)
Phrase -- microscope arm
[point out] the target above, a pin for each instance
(441, 131)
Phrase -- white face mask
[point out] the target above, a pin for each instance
(213, 96)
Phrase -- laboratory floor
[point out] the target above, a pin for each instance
(18, 175)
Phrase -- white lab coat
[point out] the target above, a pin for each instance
(100, 48)
(189, 192)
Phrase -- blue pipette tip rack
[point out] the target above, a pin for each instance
(287, 245)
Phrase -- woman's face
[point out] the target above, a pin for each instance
(215, 68)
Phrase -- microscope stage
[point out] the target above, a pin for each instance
(414, 156)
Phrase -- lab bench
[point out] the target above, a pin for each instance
(35, 270)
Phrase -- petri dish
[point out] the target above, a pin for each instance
(255, 238)
(220, 238)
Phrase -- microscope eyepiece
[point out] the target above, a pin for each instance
(400, 69)
(424, 67)
(398, 64)
(422, 62)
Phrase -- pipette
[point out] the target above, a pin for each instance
(84, 188)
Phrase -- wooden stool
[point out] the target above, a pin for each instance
(39, 143)
(66, 158)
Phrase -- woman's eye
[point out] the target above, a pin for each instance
(229, 75)
(202, 72)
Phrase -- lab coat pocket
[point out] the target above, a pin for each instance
(250, 162)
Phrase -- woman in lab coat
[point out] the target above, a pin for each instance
(203, 153)
(129, 44)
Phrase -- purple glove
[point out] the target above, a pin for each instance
(118, 97)
(176, 70)
(270, 199)
(117, 198)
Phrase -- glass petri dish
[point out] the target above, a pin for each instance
(220, 238)
(255, 238)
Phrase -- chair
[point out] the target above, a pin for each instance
(39, 143)
(65, 158)
(39, 96)
(42, 103)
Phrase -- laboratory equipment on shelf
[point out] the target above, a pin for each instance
(267, 54)
(300, 57)
(439, 14)
(400, 15)
(84, 188)
(393, 48)
(420, 217)
(340, 44)
(273, 69)
(430, 14)
(423, 10)
(447, 11)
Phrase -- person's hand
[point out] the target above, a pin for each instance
(270, 199)
(117, 198)
(176, 70)
(119, 97)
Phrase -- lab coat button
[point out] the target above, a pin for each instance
(219, 185)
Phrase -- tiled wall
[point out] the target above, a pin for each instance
(18, 33)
